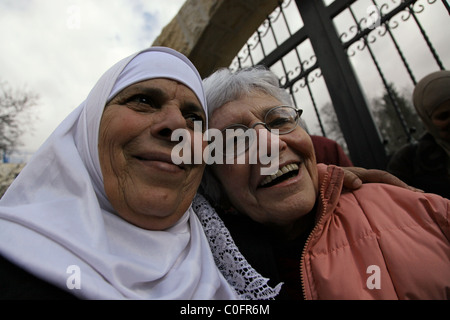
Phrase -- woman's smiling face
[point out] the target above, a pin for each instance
(289, 197)
(140, 179)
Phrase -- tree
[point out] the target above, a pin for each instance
(386, 116)
(16, 116)
(331, 125)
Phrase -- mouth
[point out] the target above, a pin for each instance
(162, 161)
(284, 173)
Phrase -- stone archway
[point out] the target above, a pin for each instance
(211, 32)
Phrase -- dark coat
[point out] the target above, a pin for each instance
(17, 284)
(422, 164)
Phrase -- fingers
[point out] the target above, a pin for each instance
(351, 180)
(352, 174)
(380, 176)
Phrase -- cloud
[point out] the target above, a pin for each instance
(59, 49)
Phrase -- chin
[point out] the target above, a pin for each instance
(154, 222)
(155, 213)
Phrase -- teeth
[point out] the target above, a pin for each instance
(280, 172)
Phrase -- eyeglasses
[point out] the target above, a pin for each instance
(238, 138)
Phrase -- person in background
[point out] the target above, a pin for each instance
(425, 163)
(330, 152)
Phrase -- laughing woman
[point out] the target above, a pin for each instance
(301, 227)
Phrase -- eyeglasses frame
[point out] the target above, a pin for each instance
(298, 112)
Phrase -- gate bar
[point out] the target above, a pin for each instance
(362, 137)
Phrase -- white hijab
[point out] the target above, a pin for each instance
(57, 223)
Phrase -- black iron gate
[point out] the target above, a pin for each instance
(316, 48)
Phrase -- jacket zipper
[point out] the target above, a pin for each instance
(324, 205)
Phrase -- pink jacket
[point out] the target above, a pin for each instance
(378, 242)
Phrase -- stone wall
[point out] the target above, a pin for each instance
(8, 172)
(211, 32)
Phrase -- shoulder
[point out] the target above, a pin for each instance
(387, 206)
(397, 196)
(396, 230)
(379, 206)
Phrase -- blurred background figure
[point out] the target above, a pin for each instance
(330, 152)
(425, 163)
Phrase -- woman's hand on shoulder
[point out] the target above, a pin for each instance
(354, 177)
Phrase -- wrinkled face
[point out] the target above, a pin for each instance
(441, 120)
(285, 199)
(140, 179)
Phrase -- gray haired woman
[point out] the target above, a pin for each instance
(301, 226)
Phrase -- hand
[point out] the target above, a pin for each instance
(354, 177)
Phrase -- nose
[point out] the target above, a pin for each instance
(168, 120)
(268, 140)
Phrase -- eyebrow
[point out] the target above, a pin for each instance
(139, 89)
(262, 113)
(158, 94)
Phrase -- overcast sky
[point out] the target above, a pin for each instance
(59, 48)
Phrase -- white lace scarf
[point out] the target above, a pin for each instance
(247, 282)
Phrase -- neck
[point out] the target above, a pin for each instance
(295, 228)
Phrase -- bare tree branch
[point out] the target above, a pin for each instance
(16, 115)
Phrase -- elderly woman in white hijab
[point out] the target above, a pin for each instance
(425, 163)
(100, 211)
